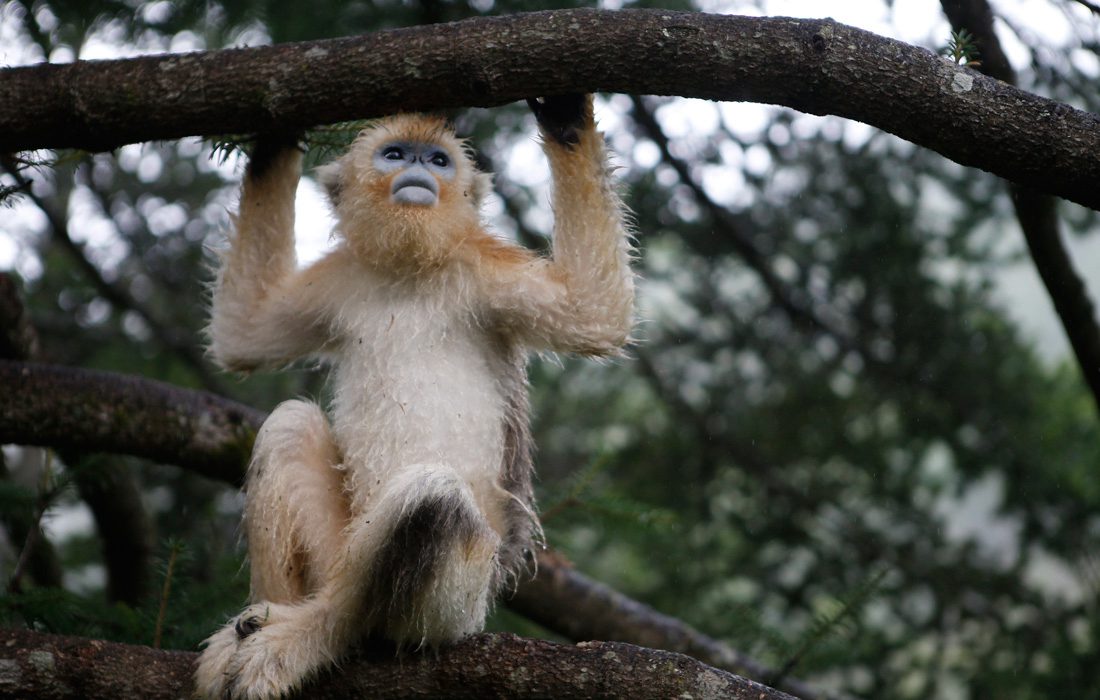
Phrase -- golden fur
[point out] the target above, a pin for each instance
(408, 506)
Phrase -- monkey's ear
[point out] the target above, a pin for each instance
(482, 186)
(331, 177)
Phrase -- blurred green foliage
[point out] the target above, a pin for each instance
(905, 505)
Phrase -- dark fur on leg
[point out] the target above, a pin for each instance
(421, 539)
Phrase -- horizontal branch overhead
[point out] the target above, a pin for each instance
(816, 66)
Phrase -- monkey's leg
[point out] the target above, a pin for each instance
(295, 506)
(295, 512)
(417, 567)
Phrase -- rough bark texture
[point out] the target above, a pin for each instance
(817, 66)
(86, 410)
(50, 667)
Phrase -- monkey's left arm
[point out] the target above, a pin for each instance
(581, 300)
(264, 311)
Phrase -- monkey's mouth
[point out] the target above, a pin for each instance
(415, 188)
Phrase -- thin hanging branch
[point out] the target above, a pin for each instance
(736, 228)
(816, 66)
(1038, 212)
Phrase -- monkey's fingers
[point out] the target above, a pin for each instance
(269, 145)
(560, 116)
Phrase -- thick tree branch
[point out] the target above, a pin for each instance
(483, 666)
(1038, 213)
(817, 66)
(65, 407)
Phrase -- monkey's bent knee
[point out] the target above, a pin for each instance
(295, 415)
(296, 430)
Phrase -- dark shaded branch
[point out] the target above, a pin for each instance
(18, 340)
(817, 66)
(115, 294)
(87, 410)
(38, 558)
(739, 232)
(1038, 212)
(483, 666)
(124, 527)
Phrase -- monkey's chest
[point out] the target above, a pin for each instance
(419, 386)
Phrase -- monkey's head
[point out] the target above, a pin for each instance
(405, 191)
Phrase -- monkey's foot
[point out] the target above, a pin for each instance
(262, 654)
(211, 672)
(279, 647)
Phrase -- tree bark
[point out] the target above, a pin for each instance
(51, 667)
(566, 601)
(817, 66)
(86, 410)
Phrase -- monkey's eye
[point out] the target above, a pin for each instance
(440, 159)
(393, 153)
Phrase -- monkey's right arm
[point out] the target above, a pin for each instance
(266, 312)
(582, 298)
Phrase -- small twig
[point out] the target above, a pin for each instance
(46, 494)
(851, 605)
(173, 553)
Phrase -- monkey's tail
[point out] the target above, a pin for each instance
(430, 579)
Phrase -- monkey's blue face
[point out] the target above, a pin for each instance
(417, 170)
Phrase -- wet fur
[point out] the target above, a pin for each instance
(405, 509)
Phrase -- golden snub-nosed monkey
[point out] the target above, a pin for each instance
(405, 508)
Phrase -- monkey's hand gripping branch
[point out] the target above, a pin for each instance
(562, 117)
(582, 300)
(265, 311)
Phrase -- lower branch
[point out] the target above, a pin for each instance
(104, 411)
(565, 601)
(66, 407)
(39, 665)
